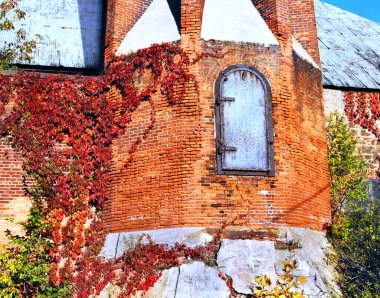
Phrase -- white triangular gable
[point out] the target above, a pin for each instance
(235, 20)
(157, 25)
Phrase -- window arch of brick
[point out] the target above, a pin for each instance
(244, 126)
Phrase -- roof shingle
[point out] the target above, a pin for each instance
(349, 47)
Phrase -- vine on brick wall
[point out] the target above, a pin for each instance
(141, 267)
(363, 109)
(63, 126)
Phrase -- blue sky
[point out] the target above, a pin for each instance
(369, 9)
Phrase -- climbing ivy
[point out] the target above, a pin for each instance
(63, 127)
(363, 108)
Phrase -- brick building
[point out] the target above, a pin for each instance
(189, 174)
(251, 144)
(179, 168)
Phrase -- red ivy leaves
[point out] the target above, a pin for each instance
(64, 126)
(93, 275)
(363, 109)
(140, 267)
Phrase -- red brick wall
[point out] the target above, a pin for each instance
(301, 19)
(310, 145)
(13, 202)
(173, 182)
(304, 26)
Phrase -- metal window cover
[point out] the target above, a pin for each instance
(269, 172)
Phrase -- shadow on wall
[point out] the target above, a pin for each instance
(175, 7)
(92, 25)
(305, 204)
(374, 189)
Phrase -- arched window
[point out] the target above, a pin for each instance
(244, 127)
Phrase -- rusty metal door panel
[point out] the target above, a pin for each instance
(243, 124)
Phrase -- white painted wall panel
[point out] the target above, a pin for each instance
(235, 20)
(71, 32)
(157, 25)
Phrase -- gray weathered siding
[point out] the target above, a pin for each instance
(71, 31)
